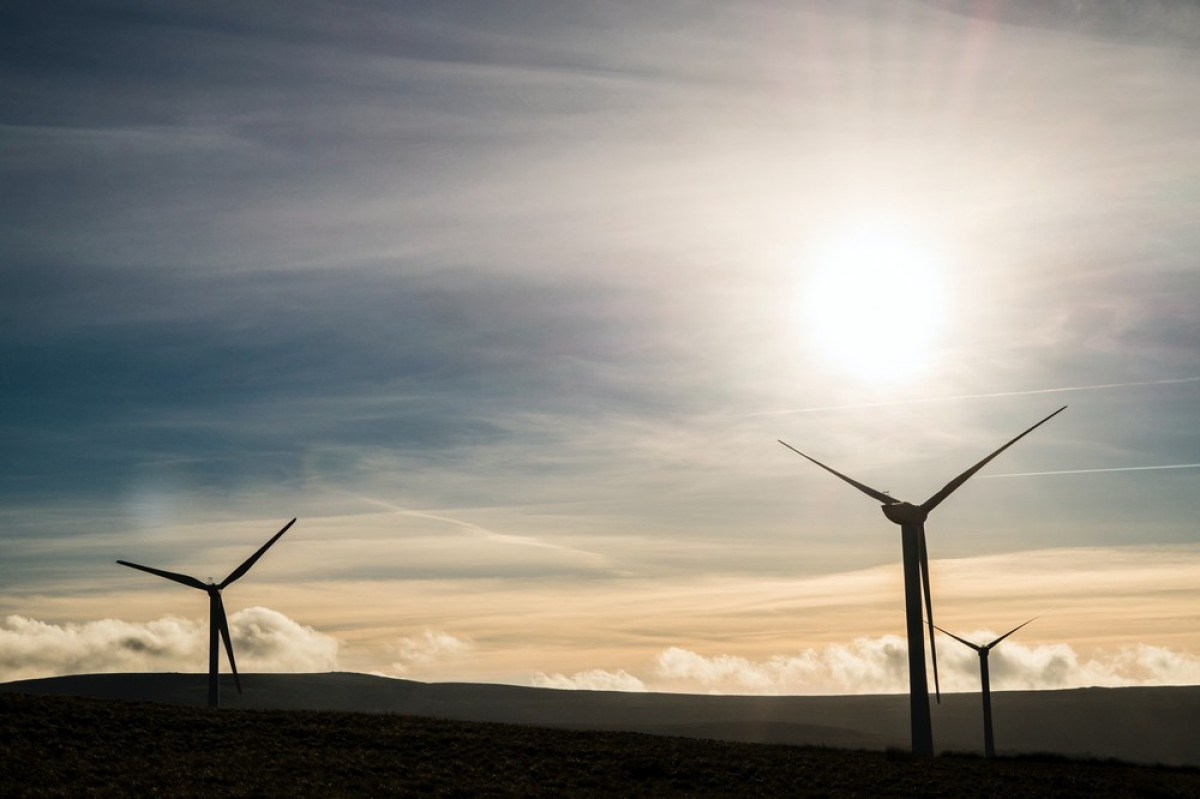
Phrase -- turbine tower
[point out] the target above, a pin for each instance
(911, 519)
(217, 623)
(989, 741)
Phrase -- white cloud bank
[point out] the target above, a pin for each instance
(268, 641)
(592, 680)
(868, 665)
(880, 665)
(263, 640)
(1058, 666)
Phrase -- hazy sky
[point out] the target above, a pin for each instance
(509, 303)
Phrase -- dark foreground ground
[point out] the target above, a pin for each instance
(65, 746)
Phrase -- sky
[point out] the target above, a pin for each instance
(509, 304)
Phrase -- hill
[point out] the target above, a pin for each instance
(67, 746)
(1146, 725)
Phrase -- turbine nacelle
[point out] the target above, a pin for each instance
(905, 513)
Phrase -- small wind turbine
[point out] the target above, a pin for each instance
(989, 742)
(217, 623)
(911, 519)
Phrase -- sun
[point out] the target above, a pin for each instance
(874, 304)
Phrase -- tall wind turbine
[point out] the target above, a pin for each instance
(911, 519)
(989, 742)
(217, 623)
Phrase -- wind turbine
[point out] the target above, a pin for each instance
(989, 742)
(217, 623)
(911, 519)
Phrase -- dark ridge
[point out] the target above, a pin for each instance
(70, 746)
(1144, 725)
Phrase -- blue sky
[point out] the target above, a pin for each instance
(510, 302)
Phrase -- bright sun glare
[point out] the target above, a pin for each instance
(874, 305)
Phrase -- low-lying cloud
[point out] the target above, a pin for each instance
(431, 647)
(1059, 666)
(263, 640)
(868, 665)
(880, 665)
(591, 680)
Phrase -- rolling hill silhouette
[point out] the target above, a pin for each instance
(1146, 725)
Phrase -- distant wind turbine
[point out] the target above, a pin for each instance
(989, 742)
(217, 623)
(911, 519)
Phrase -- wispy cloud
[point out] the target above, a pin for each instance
(1161, 20)
(992, 395)
(480, 531)
(1097, 471)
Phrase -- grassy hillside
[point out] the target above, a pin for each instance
(64, 746)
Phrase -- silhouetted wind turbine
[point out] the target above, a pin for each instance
(911, 519)
(989, 742)
(217, 623)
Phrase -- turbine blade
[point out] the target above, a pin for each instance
(976, 647)
(223, 626)
(250, 561)
(191, 582)
(953, 485)
(1010, 632)
(870, 492)
(924, 554)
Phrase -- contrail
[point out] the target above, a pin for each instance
(469, 527)
(950, 397)
(1094, 471)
